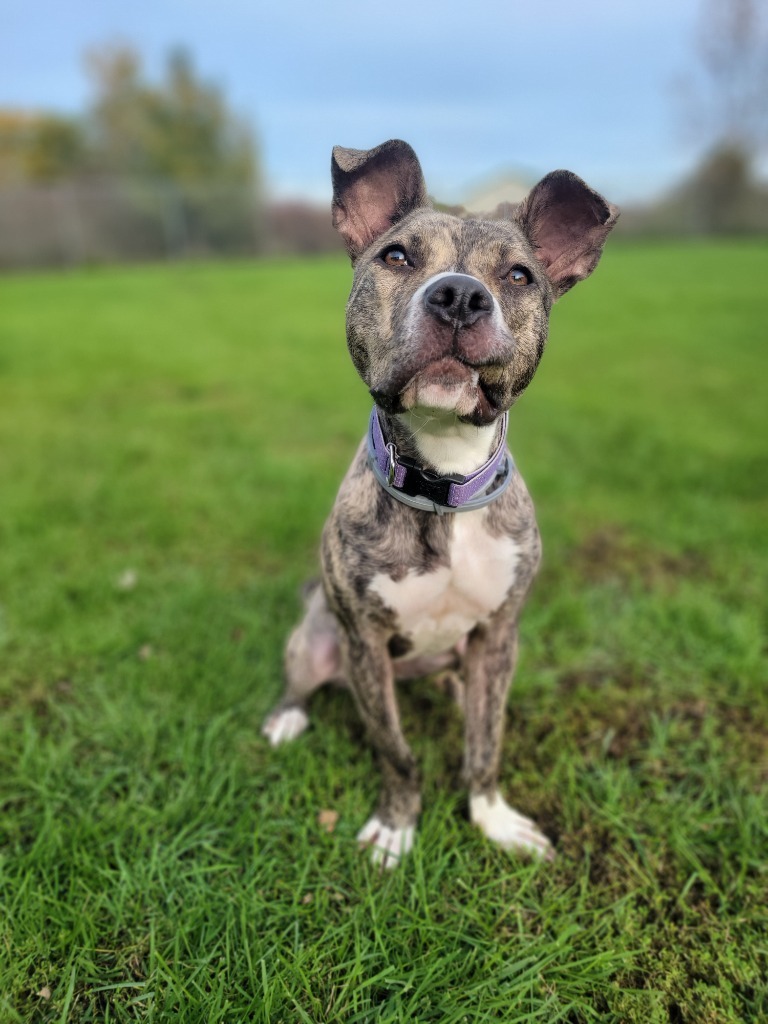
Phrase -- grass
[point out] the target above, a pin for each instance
(170, 441)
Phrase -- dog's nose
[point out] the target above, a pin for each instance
(458, 299)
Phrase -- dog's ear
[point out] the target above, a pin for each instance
(567, 223)
(373, 189)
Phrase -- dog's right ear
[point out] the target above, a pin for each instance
(374, 189)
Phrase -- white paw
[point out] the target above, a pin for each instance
(387, 844)
(284, 725)
(509, 829)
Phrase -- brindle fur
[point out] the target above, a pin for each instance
(349, 635)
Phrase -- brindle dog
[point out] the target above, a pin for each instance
(446, 324)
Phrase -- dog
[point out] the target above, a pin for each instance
(432, 545)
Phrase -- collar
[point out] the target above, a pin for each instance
(414, 486)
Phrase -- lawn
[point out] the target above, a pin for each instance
(171, 439)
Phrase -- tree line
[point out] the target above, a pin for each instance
(149, 169)
(153, 169)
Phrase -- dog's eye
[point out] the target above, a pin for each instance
(519, 277)
(395, 257)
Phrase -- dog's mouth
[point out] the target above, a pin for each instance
(447, 385)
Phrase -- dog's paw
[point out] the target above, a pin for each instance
(285, 724)
(387, 844)
(502, 824)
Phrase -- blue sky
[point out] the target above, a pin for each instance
(476, 87)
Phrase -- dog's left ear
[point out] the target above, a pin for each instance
(374, 189)
(567, 223)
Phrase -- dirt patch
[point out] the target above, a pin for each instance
(612, 554)
(742, 729)
(610, 708)
(596, 677)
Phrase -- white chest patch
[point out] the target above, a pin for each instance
(436, 609)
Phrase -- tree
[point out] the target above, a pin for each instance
(726, 99)
(726, 108)
(39, 147)
(56, 149)
(180, 129)
(150, 169)
(179, 137)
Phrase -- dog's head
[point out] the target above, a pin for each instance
(451, 314)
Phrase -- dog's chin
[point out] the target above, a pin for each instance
(449, 386)
(460, 399)
(442, 386)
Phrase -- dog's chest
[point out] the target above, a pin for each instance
(434, 610)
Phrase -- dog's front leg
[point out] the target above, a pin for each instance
(489, 665)
(390, 831)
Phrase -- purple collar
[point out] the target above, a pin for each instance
(414, 486)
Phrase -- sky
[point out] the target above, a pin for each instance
(478, 88)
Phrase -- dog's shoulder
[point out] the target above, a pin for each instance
(368, 532)
(514, 515)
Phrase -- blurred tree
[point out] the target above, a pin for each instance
(180, 130)
(179, 136)
(726, 100)
(722, 192)
(56, 149)
(726, 108)
(39, 147)
(15, 128)
(150, 169)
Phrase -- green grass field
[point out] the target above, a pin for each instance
(171, 439)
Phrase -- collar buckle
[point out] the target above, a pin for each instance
(391, 465)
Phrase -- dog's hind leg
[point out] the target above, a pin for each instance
(312, 657)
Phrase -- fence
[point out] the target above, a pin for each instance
(105, 221)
